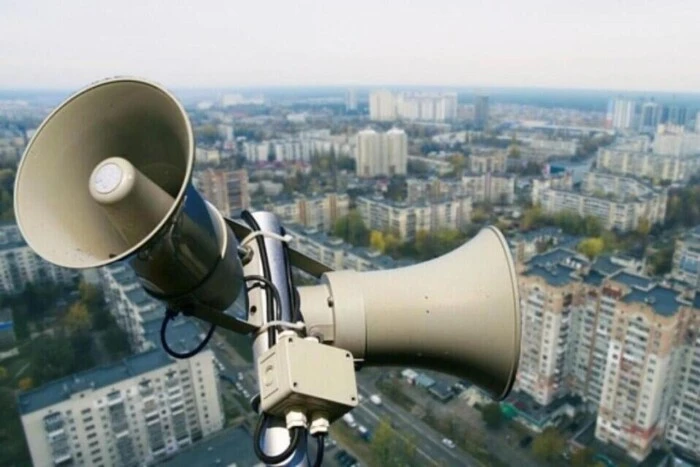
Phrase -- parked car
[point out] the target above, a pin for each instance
(375, 399)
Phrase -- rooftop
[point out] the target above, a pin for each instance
(632, 280)
(605, 265)
(62, 389)
(183, 335)
(663, 300)
(232, 446)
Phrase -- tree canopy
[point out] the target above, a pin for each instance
(352, 229)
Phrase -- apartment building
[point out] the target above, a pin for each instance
(315, 212)
(645, 164)
(406, 220)
(225, 189)
(686, 258)
(128, 302)
(619, 202)
(335, 253)
(139, 411)
(489, 188)
(491, 161)
(683, 426)
(19, 265)
(614, 338)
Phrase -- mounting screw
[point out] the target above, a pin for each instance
(294, 384)
(290, 339)
(253, 309)
(330, 302)
(352, 398)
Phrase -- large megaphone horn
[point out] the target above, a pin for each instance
(107, 177)
(459, 314)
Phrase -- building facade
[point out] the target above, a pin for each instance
(19, 265)
(619, 202)
(227, 190)
(405, 221)
(139, 411)
(318, 212)
(381, 153)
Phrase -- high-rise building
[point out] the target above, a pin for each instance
(350, 100)
(139, 411)
(227, 190)
(615, 339)
(20, 265)
(488, 161)
(382, 106)
(649, 117)
(481, 112)
(620, 114)
(674, 115)
(396, 148)
(381, 153)
(683, 426)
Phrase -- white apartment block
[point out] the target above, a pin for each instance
(481, 162)
(227, 190)
(686, 258)
(129, 303)
(318, 212)
(539, 149)
(616, 339)
(19, 265)
(673, 141)
(382, 106)
(489, 188)
(618, 202)
(404, 220)
(335, 253)
(683, 426)
(433, 107)
(137, 412)
(621, 114)
(381, 153)
(645, 164)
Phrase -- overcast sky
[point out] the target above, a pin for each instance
(597, 44)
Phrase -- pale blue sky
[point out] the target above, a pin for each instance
(632, 44)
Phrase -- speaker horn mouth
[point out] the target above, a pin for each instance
(123, 116)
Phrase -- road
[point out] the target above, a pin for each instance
(427, 440)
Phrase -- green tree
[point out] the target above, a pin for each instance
(51, 357)
(583, 457)
(25, 384)
(591, 247)
(90, 295)
(376, 241)
(116, 341)
(352, 229)
(549, 445)
(492, 415)
(3, 373)
(661, 261)
(533, 218)
(381, 445)
(78, 319)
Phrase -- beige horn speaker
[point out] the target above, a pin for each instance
(107, 177)
(458, 314)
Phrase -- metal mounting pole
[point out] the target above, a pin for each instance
(276, 437)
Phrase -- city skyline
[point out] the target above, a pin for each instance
(539, 44)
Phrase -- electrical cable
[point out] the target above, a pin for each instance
(254, 226)
(320, 447)
(170, 315)
(295, 438)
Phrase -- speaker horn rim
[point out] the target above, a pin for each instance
(177, 200)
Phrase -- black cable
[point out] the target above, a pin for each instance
(170, 314)
(295, 311)
(295, 438)
(254, 226)
(320, 447)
